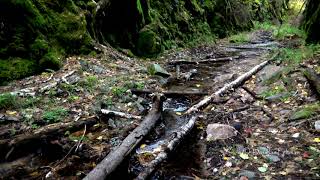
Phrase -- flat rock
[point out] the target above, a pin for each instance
(156, 69)
(272, 158)
(220, 132)
(268, 72)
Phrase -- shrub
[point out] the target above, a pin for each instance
(54, 115)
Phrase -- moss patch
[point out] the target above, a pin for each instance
(36, 34)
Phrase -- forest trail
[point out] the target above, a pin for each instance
(55, 127)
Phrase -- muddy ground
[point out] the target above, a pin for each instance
(270, 143)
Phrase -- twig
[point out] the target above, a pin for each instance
(120, 114)
(253, 94)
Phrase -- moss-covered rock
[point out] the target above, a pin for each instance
(149, 43)
(39, 33)
(15, 68)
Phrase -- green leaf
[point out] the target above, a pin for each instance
(244, 156)
(263, 169)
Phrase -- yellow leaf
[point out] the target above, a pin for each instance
(317, 140)
(178, 113)
(226, 158)
(11, 112)
(198, 85)
(143, 146)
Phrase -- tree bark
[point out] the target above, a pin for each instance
(114, 158)
(313, 78)
(46, 132)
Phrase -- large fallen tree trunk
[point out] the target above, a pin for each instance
(213, 60)
(168, 93)
(313, 78)
(184, 130)
(163, 155)
(240, 80)
(114, 158)
(7, 146)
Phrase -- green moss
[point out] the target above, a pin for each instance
(306, 112)
(16, 68)
(38, 33)
(149, 43)
(52, 60)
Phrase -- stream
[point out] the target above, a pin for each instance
(187, 162)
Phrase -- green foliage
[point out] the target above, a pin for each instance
(240, 38)
(8, 101)
(90, 82)
(306, 112)
(297, 55)
(287, 31)
(273, 91)
(118, 91)
(54, 115)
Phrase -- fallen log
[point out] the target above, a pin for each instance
(114, 158)
(168, 93)
(212, 60)
(7, 146)
(313, 78)
(120, 114)
(171, 145)
(190, 124)
(237, 82)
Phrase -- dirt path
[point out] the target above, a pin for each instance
(269, 144)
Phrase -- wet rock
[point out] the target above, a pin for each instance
(240, 148)
(268, 72)
(111, 123)
(263, 150)
(156, 69)
(73, 79)
(97, 69)
(5, 118)
(220, 131)
(248, 174)
(317, 125)
(272, 158)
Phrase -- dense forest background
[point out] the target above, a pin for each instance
(35, 35)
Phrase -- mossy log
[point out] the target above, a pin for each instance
(313, 78)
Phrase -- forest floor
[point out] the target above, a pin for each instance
(52, 126)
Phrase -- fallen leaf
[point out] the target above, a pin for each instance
(244, 156)
(263, 169)
(317, 140)
(305, 155)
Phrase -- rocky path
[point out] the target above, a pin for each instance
(271, 141)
